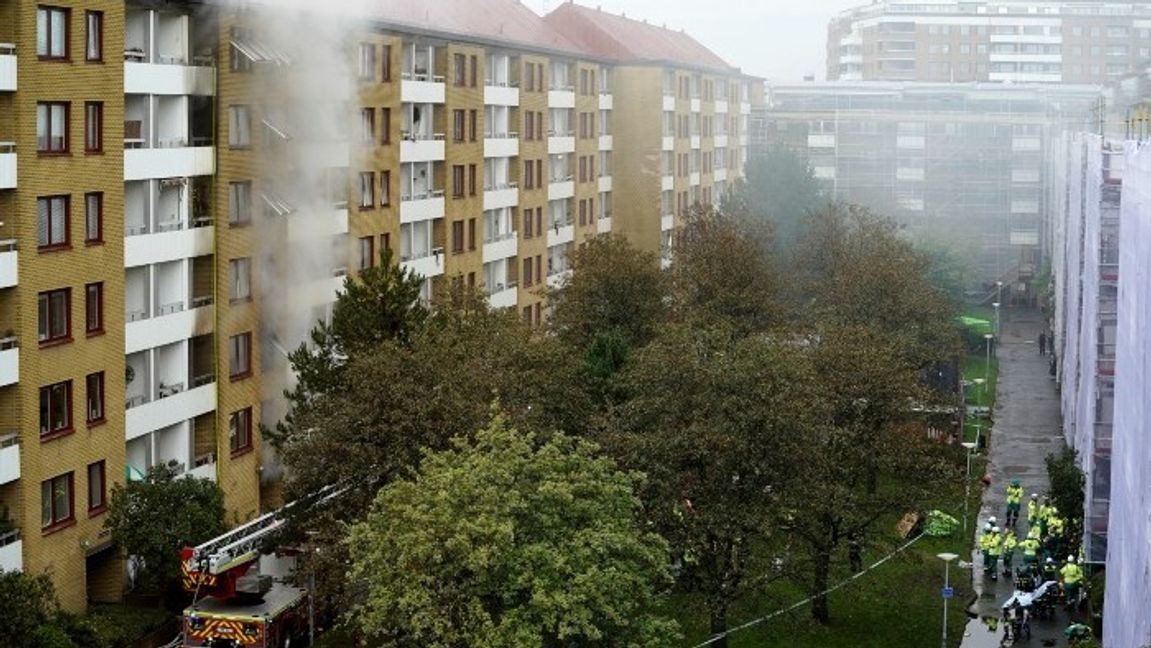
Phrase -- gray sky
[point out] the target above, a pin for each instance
(778, 39)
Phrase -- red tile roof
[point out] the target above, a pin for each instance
(497, 20)
(607, 35)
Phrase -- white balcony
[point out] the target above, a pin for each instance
(429, 265)
(173, 323)
(204, 467)
(316, 226)
(501, 95)
(422, 207)
(603, 225)
(7, 165)
(606, 102)
(813, 141)
(912, 142)
(503, 246)
(667, 144)
(666, 222)
(1025, 144)
(159, 79)
(504, 298)
(9, 362)
(7, 67)
(696, 106)
(606, 142)
(667, 183)
(422, 89)
(154, 163)
(422, 150)
(695, 142)
(721, 106)
(172, 245)
(500, 197)
(561, 235)
(561, 144)
(164, 412)
(604, 183)
(668, 103)
(561, 189)
(720, 141)
(11, 552)
(564, 98)
(557, 279)
(9, 457)
(9, 264)
(719, 175)
(505, 146)
(744, 108)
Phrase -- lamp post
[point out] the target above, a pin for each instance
(947, 592)
(996, 305)
(999, 292)
(987, 366)
(967, 481)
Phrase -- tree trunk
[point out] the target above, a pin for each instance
(719, 624)
(819, 607)
(855, 552)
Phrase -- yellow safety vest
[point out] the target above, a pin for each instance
(1030, 546)
(995, 545)
(1033, 532)
(1071, 574)
(1032, 511)
(1009, 542)
(1045, 511)
(1014, 494)
(1055, 526)
(985, 541)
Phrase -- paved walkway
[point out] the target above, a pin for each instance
(1026, 429)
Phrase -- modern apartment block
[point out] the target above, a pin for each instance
(184, 186)
(989, 40)
(961, 164)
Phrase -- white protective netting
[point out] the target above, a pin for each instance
(1058, 204)
(1073, 274)
(1128, 596)
(1085, 414)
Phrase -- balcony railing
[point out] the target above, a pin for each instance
(501, 236)
(205, 459)
(605, 214)
(500, 287)
(559, 87)
(9, 343)
(501, 84)
(507, 135)
(566, 178)
(9, 537)
(426, 195)
(9, 440)
(501, 186)
(421, 137)
(170, 308)
(556, 132)
(7, 147)
(421, 76)
(203, 379)
(422, 254)
(202, 301)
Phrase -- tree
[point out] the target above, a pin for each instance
(709, 417)
(781, 185)
(509, 540)
(157, 516)
(29, 607)
(614, 290)
(1067, 489)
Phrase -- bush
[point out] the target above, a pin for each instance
(1067, 484)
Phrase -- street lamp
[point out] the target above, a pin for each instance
(995, 305)
(987, 366)
(970, 447)
(999, 291)
(947, 591)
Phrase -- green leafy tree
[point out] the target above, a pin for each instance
(509, 540)
(157, 516)
(29, 608)
(1068, 483)
(781, 185)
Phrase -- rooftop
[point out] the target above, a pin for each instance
(493, 20)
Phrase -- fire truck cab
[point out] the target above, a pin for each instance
(280, 620)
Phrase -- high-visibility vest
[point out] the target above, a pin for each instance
(1014, 494)
(1032, 511)
(995, 545)
(1055, 526)
(985, 540)
(1045, 511)
(1009, 542)
(1030, 546)
(1071, 574)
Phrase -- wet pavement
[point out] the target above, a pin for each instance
(1026, 428)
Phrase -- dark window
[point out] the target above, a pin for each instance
(386, 63)
(239, 61)
(240, 431)
(385, 188)
(528, 233)
(239, 203)
(457, 181)
(471, 179)
(240, 356)
(367, 252)
(239, 126)
(385, 125)
(94, 398)
(367, 61)
(94, 308)
(528, 273)
(97, 489)
(52, 30)
(367, 190)
(55, 410)
(52, 127)
(473, 125)
(457, 237)
(93, 217)
(56, 497)
(472, 235)
(458, 119)
(55, 316)
(94, 38)
(385, 242)
(241, 275)
(460, 70)
(473, 73)
(528, 174)
(368, 125)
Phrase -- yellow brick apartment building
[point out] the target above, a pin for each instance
(185, 185)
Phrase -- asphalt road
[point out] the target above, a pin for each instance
(1026, 429)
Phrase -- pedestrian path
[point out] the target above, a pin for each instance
(1026, 429)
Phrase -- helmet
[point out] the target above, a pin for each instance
(987, 527)
(1035, 496)
(1070, 559)
(995, 529)
(991, 520)
(1014, 482)
(1050, 561)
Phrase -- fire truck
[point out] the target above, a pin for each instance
(241, 597)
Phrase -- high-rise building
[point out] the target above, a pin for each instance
(989, 40)
(184, 186)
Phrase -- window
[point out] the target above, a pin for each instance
(528, 180)
(473, 72)
(94, 398)
(240, 62)
(93, 218)
(93, 127)
(97, 493)
(385, 188)
(460, 70)
(94, 38)
(55, 410)
(528, 273)
(527, 228)
(239, 203)
(385, 125)
(56, 502)
(241, 271)
(367, 252)
(367, 61)
(457, 237)
(240, 356)
(368, 125)
(55, 316)
(94, 308)
(367, 190)
(386, 66)
(457, 181)
(458, 125)
(52, 32)
(240, 431)
(473, 126)
(385, 242)
(471, 179)
(239, 126)
(52, 127)
(529, 78)
(472, 234)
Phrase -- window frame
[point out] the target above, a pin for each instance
(54, 340)
(367, 126)
(367, 252)
(69, 425)
(102, 505)
(367, 190)
(459, 70)
(66, 15)
(66, 243)
(98, 16)
(96, 216)
(97, 379)
(233, 277)
(386, 62)
(56, 521)
(240, 349)
(93, 127)
(458, 236)
(96, 291)
(385, 188)
(385, 126)
(239, 123)
(234, 430)
(367, 71)
(457, 181)
(46, 148)
(238, 217)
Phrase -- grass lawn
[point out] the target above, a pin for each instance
(976, 366)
